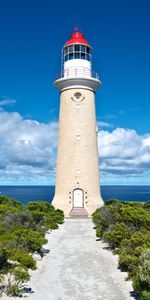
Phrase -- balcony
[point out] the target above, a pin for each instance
(77, 72)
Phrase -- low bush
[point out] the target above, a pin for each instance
(22, 232)
(125, 226)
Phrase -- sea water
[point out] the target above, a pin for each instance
(46, 193)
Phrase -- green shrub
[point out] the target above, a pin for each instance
(141, 280)
(3, 257)
(146, 205)
(45, 214)
(125, 226)
(20, 275)
(128, 261)
(13, 290)
(116, 233)
(22, 232)
(102, 218)
(23, 258)
(99, 232)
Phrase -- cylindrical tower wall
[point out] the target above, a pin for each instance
(77, 158)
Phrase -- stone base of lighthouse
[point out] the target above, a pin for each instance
(70, 211)
(77, 173)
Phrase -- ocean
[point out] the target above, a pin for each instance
(46, 193)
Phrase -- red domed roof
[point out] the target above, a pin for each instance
(77, 38)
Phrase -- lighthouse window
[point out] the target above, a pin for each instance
(70, 49)
(66, 57)
(82, 55)
(87, 49)
(78, 172)
(78, 137)
(82, 48)
(70, 55)
(77, 48)
(77, 95)
(77, 52)
(66, 50)
(87, 57)
(77, 55)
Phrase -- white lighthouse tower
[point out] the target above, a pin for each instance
(77, 190)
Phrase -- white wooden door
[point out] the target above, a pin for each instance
(78, 198)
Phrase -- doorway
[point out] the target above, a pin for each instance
(78, 198)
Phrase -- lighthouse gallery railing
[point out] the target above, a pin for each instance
(77, 72)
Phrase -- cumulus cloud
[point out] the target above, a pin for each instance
(124, 151)
(28, 151)
(28, 148)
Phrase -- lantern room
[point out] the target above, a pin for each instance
(76, 57)
(77, 51)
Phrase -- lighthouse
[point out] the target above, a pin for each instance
(77, 190)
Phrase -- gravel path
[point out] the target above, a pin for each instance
(78, 267)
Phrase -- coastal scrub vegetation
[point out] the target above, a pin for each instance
(125, 226)
(22, 233)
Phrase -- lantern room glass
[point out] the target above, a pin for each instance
(77, 52)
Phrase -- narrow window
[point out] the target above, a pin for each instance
(82, 55)
(78, 172)
(77, 55)
(88, 50)
(77, 47)
(70, 55)
(82, 48)
(66, 51)
(70, 49)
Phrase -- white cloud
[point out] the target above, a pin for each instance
(104, 124)
(28, 152)
(7, 101)
(28, 148)
(121, 112)
(124, 152)
(110, 116)
(119, 143)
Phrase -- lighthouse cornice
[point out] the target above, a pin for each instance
(80, 82)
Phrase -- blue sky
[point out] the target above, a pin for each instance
(32, 34)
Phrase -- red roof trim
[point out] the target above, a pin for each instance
(77, 38)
